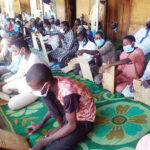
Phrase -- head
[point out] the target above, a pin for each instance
(128, 43)
(57, 22)
(52, 20)
(82, 39)
(20, 46)
(64, 27)
(40, 78)
(99, 39)
(80, 29)
(148, 23)
(77, 22)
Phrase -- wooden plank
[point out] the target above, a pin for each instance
(108, 80)
(4, 96)
(35, 44)
(70, 66)
(43, 47)
(141, 93)
(11, 141)
(85, 68)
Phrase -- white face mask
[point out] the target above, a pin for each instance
(39, 93)
(62, 31)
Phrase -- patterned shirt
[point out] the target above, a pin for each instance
(74, 95)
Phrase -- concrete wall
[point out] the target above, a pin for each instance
(60, 10)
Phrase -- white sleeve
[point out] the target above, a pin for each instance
(146, 75)
(19, 74)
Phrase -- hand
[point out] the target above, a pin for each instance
(145, 84)
(33, 128)
(103, 68)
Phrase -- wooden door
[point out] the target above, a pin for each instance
(118, 11)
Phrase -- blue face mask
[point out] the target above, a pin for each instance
(10, 50)
(128, 48)
(83, 43)
(100, 42)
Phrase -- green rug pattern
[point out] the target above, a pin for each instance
(120, 121)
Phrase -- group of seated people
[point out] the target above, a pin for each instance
(28, 76)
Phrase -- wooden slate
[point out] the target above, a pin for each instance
(70, 66)
(35, 44)
(4, 98)
(43, 47)
(85, 68)
(11, 141)
(141, 93)
(108, 80)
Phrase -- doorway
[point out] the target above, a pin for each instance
(70, 11)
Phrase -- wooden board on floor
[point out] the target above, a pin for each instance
(140, 93)
(108, 80)
(85, 68)
(11, 141)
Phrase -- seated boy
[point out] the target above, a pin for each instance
(69, 101)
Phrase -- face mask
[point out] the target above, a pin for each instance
(62, 31)
(39, 93)
(83, 43)
(10, 50)
(128, 48)
(99, 43)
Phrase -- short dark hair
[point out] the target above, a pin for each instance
(82, 35)
(39, 73)
(130, 38)
(20, 42)
(100, 33)
(65, 23)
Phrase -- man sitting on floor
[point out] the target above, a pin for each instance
(69, 101)
(17, 83)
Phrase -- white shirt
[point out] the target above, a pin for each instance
(145, 45)
(89, 46)
(146, 75)
(26, 65)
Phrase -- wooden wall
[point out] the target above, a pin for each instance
(118, 11)
(140, 12)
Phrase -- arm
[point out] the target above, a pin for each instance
(62, 132)
(68, 44)
(20, 72)
(120, 62)
(106, 48)
(34, 127)
(90, 52)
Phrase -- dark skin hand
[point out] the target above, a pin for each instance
(35, 127)
(62, 132)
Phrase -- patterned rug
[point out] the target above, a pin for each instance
(120, 121)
